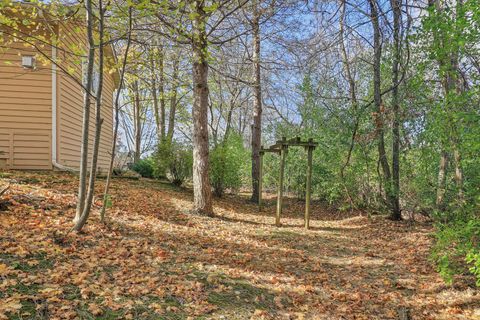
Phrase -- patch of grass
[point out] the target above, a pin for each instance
(139, 311)
(31, 263)
(28, 180)
(4, 175)
(71, 292)
(108, 314)
(29, 307)
(28, 311)
(156, 185)
(242, 295)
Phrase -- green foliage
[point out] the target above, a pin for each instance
(227, 164)
(173, 161)
(457, 247)
(144, 167)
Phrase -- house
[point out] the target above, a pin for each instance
(41, 103)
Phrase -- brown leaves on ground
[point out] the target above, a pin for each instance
(154, 260)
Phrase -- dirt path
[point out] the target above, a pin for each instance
(156, 261)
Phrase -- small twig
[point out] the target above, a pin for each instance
(4, 190)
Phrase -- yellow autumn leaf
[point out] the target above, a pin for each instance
(4, 269)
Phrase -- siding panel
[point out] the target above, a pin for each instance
(70, 110)
(25, 110)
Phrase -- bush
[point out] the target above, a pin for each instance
(144, 167)
(173, 161)
(227, 163)
(181, 166)
(457, 247)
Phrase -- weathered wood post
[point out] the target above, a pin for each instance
(260, 180)
(283, 153)
(310, 149)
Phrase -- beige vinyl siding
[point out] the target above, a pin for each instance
(70, 105)
(25, 110)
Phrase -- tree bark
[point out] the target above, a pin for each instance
(82, 185)
(353, 99)
(448, 62)
(161, 90)
(442, 181)
(377, 96)
(137, 122)
(153, 88)
(117, 120)
(201, 183)
(395, 197)
(173, 101)
(98, 126)
(257, 104)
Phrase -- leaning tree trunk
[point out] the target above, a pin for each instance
(98, 127)
(257, 105)
(82, 185)
(153, 88)
(201, 184)
(117, 120)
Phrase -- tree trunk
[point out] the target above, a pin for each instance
(457, 159)
(117, 120)
(377, 95)
(395, 197)
(82, 185)
(448, 62)
(137, 122)
(153, 88)
(173, 101)
(201, 184)
(353, 99)
(257, 104)
(98, 127)
(442, 181)
(161, 90)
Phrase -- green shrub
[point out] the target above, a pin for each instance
(457, 247)
(181, 165)
(173, 161)
(227, 165)
(144, 167)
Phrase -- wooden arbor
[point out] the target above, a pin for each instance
(281, 148)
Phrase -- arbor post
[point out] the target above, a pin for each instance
(309, 185)
(283, 153)
(260, 181)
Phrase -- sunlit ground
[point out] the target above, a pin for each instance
(154, 260)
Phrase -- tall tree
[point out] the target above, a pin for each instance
(199, 13)
(378, 102)
(257, 101)
(201, 181)
(397, 22)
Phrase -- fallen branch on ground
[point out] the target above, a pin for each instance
(4, 190)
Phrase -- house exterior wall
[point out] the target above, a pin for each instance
(25, 108)
(28, 96)
(70, 104)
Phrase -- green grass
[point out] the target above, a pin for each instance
(242, 295)
(4, 175)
